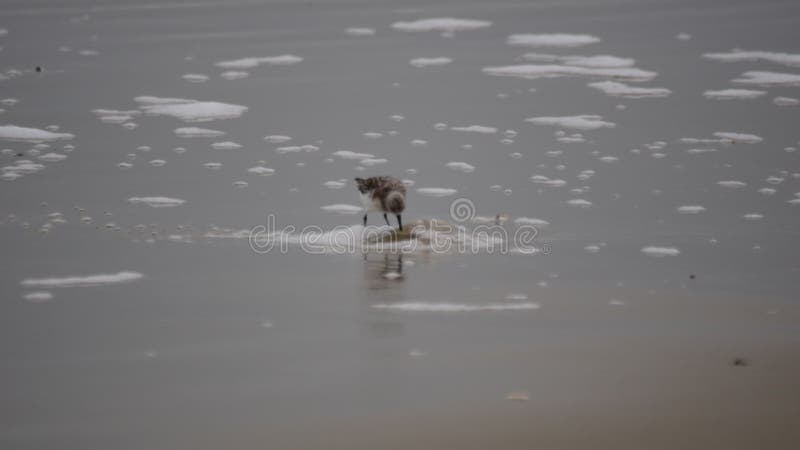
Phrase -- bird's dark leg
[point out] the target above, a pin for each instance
(386, 219)
(365, 220)
(400, 222)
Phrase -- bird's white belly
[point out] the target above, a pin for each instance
(370, 204)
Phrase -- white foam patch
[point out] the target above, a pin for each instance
(212, 165)
(195, 132)
(533, 71)
(579, 202)
(733, 94)
(33, 135)
(732, 184)
(261, 170)
(690, 209)
(342, 208)
(277, 138)
(596, 61)
(369, 162)
(615, 89)
(82, 281)
(231, 75)
(476, 129)
(115, 116)
(335, 184)
(436, 192)
(360, 31)
(226, 145)
(768, 79)
(753, 216)
(552, 182)
(786, 59)
(427, 62)
(195, 77)
(52, 157)
(732, 137)
(347, 154)
(786, 101)
(189, 110)
(38, 296)
(531, 221)
(552, 40)
(252, 62)
(661, 251)
(580, 122)
(444, 24)
(456, 307)
(460, 166)
(157, 202)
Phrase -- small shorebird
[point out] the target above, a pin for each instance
(383, 194)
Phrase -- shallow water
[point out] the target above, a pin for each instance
(135, 314)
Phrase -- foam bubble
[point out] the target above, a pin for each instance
(25, 134)
(786, 101)
(277, 139)
(476, 129)
(444, 24)
(732, 137)
(335, 184)
(226, 145)
(252, 62)
(533, 71)
(733, 94)
(753, 216)
(195, 132)
(52, 157)
(579, 202)
(460, 166)
(347, 154)
(157, 162)
(427, 62)
(786, 59)
(231, 75)
(261, 170)
(115, 116)
(552, 40)
(690, 209)
(732, 184)
(83, 281)
(195, 77)
(38, 296)
(157, 202)
(614, 89)
(762, 78)
(369, 162)
(580, 122)
(552, 182)
(597, 61)
(189, 110)
(660, 251)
